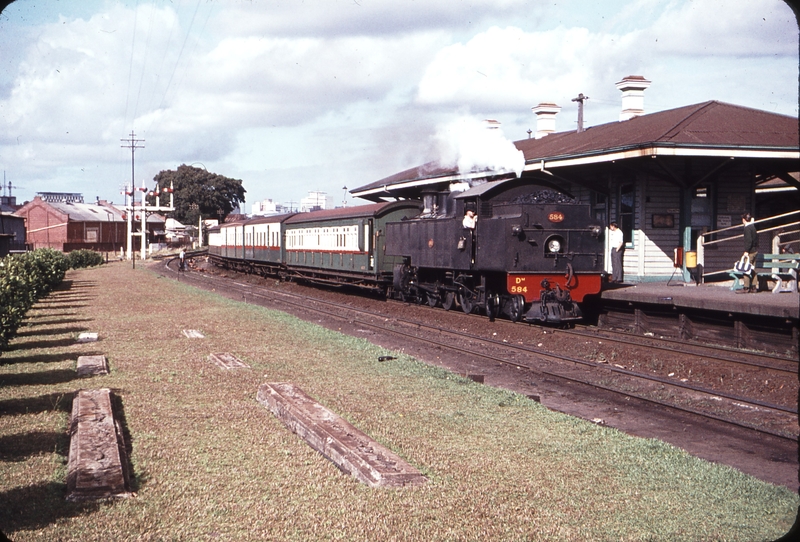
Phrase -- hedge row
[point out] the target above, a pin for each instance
(84, 258)
(24, 278)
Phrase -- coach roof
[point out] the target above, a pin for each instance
(358, 211)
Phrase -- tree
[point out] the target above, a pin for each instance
(199, 192)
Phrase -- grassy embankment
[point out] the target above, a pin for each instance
(213, 464)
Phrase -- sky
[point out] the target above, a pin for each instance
(293, 96)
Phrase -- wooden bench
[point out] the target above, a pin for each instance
(781, 268)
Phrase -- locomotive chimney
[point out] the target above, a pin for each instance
(545, 118)
(632, 88)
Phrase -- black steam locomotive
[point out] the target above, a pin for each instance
(515, 247)
(533, 252)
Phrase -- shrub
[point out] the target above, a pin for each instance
(84, 258)
(24, 278)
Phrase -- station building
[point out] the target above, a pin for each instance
(676, 181)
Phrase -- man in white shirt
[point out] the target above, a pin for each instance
(469, 220)
(616, 243)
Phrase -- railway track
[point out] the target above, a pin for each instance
(716, 352)
(748, 413)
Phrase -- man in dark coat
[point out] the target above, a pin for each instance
(751, 251)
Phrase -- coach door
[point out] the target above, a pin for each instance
(368, 244)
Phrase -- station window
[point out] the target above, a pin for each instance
(627, 205)
(599, 206)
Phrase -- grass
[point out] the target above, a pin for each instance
(211, 463)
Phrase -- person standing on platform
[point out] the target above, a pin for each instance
(616, 243)
(751, 251)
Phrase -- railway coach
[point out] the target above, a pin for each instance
(249, 246)
(343, 246)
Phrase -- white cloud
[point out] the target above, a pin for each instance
(294, 95)
(726, 28)
(379, 18)
(511, 68)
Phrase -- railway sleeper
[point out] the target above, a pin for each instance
(98, 465)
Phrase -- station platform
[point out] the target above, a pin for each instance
(717, 297)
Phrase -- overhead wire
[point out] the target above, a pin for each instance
(175, 77)
(130, 68)
(130, 64)
(158, 72)
(195, 42)
(178, 60)
(144, 61)
(180, 54)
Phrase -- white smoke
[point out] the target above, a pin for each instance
(474, 145)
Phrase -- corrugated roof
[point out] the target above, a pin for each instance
(85, 212)
(92, 212)
(707, 125)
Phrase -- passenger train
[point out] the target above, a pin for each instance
(533, 253)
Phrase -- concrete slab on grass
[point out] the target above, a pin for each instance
(228, 361)
(97, 466)
(87, 337)
(92, 365)
(348, 448)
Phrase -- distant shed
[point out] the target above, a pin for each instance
(71, 225)
(12, 234)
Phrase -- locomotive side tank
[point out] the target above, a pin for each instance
(533, 253)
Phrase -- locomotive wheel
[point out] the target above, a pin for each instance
(492, 306)
(449, 301)
(516, 308)
(466, 302)
(433, 299)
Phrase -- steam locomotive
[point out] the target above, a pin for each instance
(533, 252)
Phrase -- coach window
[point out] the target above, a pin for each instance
(627, 200)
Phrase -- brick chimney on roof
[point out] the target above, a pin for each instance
(632, 88)
(545, 118)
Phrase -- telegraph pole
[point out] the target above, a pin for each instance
(580, 99)
(132, 145)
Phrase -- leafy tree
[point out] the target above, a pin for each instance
(197, 191)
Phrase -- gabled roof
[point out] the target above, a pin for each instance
(85, 212)
(706, 129)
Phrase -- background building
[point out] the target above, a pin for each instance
(267, 207)
(66, 224)
(316, 201)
